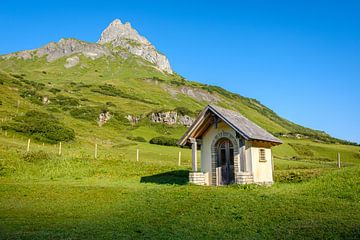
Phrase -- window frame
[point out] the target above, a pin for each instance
(262, 155)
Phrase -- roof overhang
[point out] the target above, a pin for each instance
(203, 116)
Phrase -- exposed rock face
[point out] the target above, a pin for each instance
(103, 118)
(65, 47)
(132, 119)
(171, 118)
(186, 120)
(124, 41)
(71, 62)
(124, 36)
(195, 93)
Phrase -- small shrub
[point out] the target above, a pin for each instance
(32, 96)
(66, 101)
(41, 126)
(296, 176)
(85, 113)
(136, 139)
(36, 156)
(54, 90)
(110, 104)
(184, 111)
(166, 141)
(53, 109)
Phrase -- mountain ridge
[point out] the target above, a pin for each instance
(111, 73)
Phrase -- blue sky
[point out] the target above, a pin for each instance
(300, 58)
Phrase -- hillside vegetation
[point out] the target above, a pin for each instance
(75, 195)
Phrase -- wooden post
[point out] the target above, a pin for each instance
(95, 153)
(338, 160)
(137, 154)
(60, 149)
(179, 163)
(28, 146)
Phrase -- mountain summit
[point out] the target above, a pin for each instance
(124, 36)
(116, 40)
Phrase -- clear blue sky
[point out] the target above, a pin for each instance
(300, 58)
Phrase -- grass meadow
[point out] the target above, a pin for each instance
(75, 196)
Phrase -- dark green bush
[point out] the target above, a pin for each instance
(184, 111)
(136, 139)
(41, 126)
(166, 141)
(65, 101)
(35, 156)
(85, 113)
(35, 85)
(110, 104)
(32, 96)
(54, 90)
(296, 176)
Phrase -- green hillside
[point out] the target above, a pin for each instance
(75, 195)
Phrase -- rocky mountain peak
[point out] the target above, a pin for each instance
(117, 31)
(117, 34)
(124, 36)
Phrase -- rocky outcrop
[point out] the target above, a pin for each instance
(72, 62)
(63, 48)
(195, 93)
(133, 119)
(124, 36)
(171, 118)
(104, 117)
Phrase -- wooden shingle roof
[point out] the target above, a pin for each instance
(243, 126)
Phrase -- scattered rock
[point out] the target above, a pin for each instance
(104, 117)
(186, 120)
(72, 61)
(133, 119)
(171, 118)
(45, 100)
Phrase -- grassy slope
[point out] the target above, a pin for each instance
(75, 196)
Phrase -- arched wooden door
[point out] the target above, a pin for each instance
(225, 154)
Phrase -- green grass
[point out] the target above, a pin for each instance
(74, 196)
(114, 196)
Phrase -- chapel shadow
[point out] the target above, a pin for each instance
(177, 177)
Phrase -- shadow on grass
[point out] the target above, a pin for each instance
(178, 177)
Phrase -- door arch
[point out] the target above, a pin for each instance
(225, 161)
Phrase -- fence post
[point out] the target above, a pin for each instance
(95, 152)
(137, 154)
(60, 149)
(179, 163)
(28, 146)
(338, 160)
